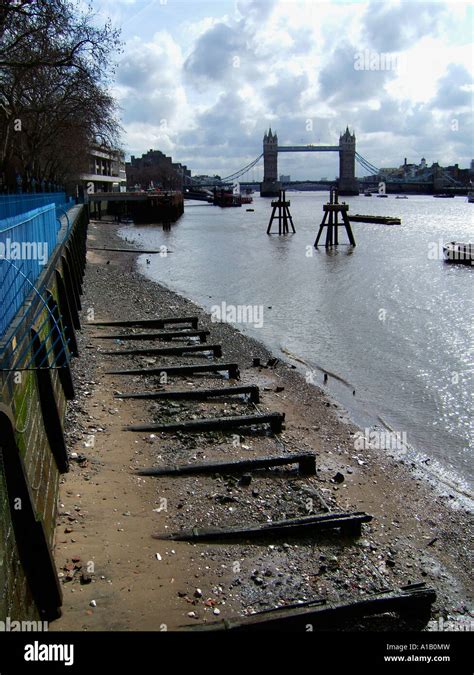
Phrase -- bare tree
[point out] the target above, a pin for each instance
(55, 71)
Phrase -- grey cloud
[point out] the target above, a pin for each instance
(256, 10)
(285, 95)
(340, 80)
(213, 53)
(391, 27)
(450, 94)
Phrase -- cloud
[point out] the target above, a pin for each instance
(341, 79)
(455, 89)
(394, 26)
(220, 76)
(212, 57)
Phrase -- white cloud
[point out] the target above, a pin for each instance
(221, 72)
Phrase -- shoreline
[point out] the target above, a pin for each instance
(442, 480)
(415, 534)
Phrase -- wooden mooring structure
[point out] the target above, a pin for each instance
(332, 210)
(282, 206)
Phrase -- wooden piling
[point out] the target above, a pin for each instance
(231, 368)
(332, 209)
(304, 461)
(306, 525)
(275, 420)
(198, 394)
(149, 323)
(166, 335)
(163, 351)
(284, 215)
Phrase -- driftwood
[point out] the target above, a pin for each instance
(350, 523)
(215, 424)
(167, 335)
(149, 323)
(306, 462)
(198, 394)
(410, 601)
(231, 368)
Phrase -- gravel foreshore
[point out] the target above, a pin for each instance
(117, 576)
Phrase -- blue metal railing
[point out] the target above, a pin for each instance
(15, 204)
(26, 243)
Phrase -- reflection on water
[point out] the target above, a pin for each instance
(388, 317)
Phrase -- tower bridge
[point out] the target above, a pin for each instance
(347, 182)
(432, 180)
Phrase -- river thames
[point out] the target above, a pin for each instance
(388, 317)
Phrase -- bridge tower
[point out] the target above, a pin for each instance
(348, 184)
(270, 185)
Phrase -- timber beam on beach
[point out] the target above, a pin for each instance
(275, 420)
(124, 250)
(166, 335)
(347, 523)
(198, 394)
(163, 351)
(231, 368)
(149, 323)
(306, 466)
(409, 602)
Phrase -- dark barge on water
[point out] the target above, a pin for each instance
(456, 252)
(380, 220)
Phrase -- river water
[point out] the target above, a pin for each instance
(388, 317)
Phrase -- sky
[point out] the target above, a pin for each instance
(202, 80)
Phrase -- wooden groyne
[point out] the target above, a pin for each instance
(36, 348)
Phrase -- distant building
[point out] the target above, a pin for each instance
(284, 178)
(155, 169)
(106, 171)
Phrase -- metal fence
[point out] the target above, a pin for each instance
(15, 204)
(26, 243)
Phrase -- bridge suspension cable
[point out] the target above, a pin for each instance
(450, 179)
(240, 172)
(364, 163)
